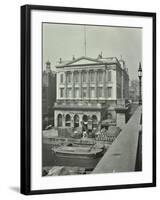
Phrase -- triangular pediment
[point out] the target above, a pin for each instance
(83, 61)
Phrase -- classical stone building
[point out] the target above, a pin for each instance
(88, 90)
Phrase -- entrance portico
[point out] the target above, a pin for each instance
(74, 119)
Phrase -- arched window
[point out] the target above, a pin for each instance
(85, 118)
(109, 116)
(68, 120)
(59, 120)
(94, 118)
(76, 121)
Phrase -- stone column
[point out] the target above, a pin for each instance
(72, 121)
(104, 83)
(80, 84)
(63, 120)
(65, 87)
(55, 119)
(96, 85)
(122, 95)
(80, 120)
(72, 84)
(88, 85)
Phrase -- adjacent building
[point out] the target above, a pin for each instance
(88, 90)
(134, 90)
(48, 95)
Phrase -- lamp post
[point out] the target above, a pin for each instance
(140, 83)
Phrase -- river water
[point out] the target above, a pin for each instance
(49, 159)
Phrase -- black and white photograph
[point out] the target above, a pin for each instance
(79, 100)
(91, 99)
(88, 99)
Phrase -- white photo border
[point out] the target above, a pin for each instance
(46, 183)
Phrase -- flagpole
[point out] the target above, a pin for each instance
(85, 40)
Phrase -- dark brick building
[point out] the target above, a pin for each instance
(48, 95)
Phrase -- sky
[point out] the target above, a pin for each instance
(65, 40)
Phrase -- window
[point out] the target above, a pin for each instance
(69, 92)
(100, 92)
(68, 77)
(76, 92)
(91, 76)
(76, 121)
(118, 77)
(76, 77)
(84, 92)
(109, 76)
(61, 92)
(100, 76)
(92, 92)
(109, 92)
(118, 92)
(84, 76)
(68, 120)
(61, 79)
(59, 120)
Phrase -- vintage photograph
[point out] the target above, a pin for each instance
(91, 99)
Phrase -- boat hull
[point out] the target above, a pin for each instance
(88, 161)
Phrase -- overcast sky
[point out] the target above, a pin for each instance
(65, 40)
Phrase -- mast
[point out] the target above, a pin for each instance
(85, 51)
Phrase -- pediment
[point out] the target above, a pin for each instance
(83, 61)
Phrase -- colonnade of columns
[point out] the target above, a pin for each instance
(85, 84)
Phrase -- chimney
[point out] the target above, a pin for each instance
(100, 55)
(60, 60)
(48, 66)
(73, 57)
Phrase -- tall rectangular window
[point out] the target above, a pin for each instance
(118, 92)
(76, 92)
(109, 92)
(92, 92)
(69, 93)
(118, 77)
(109, 76)
(76, 77)
(61, 78)
(84, 77)
(84, 92)
(100, 76)
(92, 76)
(100, 92)
(61, 92)
(68, 77)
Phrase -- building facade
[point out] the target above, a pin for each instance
(134, 90)
(48, 95)
(88, 89)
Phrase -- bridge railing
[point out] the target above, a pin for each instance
(124, 155)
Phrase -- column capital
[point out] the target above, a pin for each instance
(79, 70)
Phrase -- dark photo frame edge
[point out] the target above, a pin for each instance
(25, 181)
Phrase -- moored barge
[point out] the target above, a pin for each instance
(86, 157)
